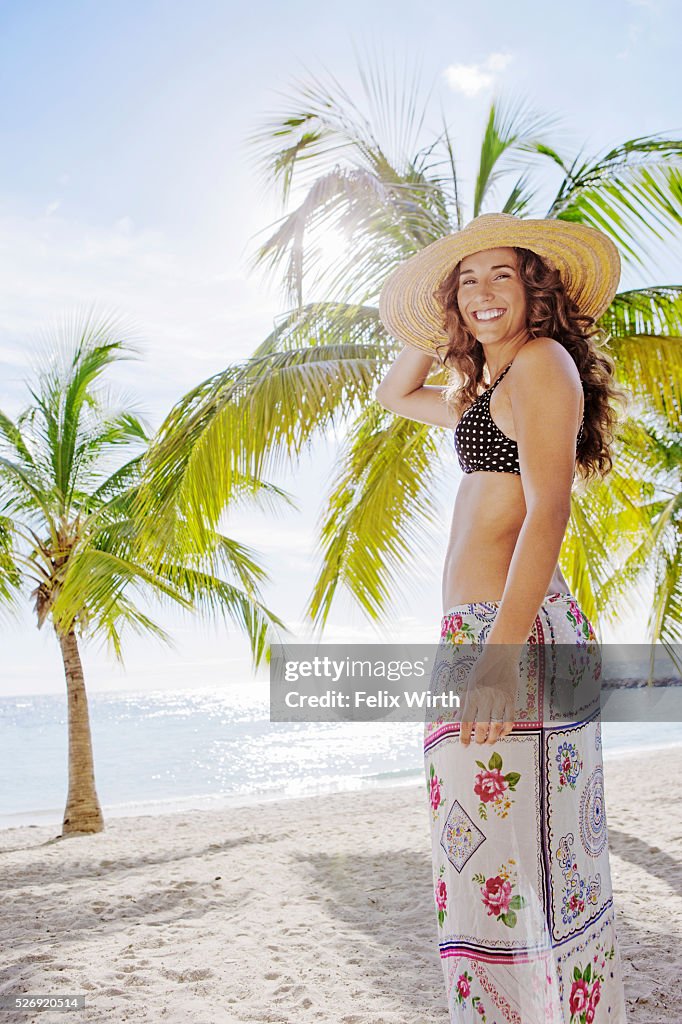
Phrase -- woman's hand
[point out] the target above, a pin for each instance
(492, 694)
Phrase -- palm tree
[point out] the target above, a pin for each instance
(319, 366)
(67, 529)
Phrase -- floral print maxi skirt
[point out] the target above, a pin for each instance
(522, 884)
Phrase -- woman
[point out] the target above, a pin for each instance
(522, 883)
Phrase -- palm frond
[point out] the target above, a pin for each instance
(382, 219)
(633, 194)
(456, 191)
(648, 311)
(218, 597)
(110, 629)
(20, 494)
(665, 618)
(321, 120)
(11, 433)
(377, 512)
(10, 572)
(616, 528)
(69, 512)
(94, 580)
(520, 198)
(255, 419)
(510, 126)
(651, 368)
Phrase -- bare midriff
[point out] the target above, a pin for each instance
(489, 512)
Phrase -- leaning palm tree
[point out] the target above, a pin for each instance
(70, 469)
(361, 178)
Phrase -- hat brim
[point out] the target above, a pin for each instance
(587, 260)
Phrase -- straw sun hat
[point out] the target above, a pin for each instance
(586, 259)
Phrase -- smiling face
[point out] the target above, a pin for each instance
(491, 296)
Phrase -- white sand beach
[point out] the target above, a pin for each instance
(309, 910)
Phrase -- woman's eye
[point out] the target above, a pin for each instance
(472, 281)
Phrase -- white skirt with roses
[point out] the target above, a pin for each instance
(522, 884)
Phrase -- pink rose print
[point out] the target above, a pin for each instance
(489, 784)
(455, 630)
(441, 894)
(577, 614)
(492, 787)
(497, 895)
(433, 786)
(576, 904)
(583, 1000)
(463, 990)
(579, 997)
(595, 994)
(579, 621)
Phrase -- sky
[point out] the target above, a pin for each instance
(128, 187)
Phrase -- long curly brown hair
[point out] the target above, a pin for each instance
(550, 313)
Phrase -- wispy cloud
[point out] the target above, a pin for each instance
(472, 79)
(649, 12)
(633, 34)
(193, 312)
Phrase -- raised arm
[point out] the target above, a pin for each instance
(403, 390)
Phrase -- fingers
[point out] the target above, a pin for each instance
(481, 732)
(498, 730)
(465, 733)
(494, 732)
(501, 722)
(475, 712)
(478, 724)
(507, 725)
(468, 714)
(484, 732)
(489, 717)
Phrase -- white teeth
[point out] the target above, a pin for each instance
(489, 314)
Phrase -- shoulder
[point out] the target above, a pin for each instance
(541, 357)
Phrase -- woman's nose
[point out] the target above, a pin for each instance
(485, 292)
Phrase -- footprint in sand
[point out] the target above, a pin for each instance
(289, 990)
(191, 974)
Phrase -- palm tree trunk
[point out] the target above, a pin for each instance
(83, 812)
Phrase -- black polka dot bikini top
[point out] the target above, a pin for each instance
(481, 445)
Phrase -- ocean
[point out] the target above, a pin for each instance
(172, 750)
